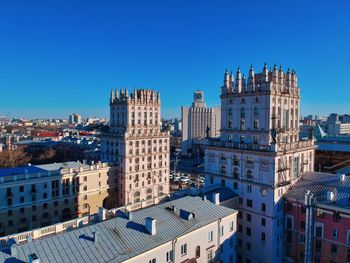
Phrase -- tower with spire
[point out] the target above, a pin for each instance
(135, 144)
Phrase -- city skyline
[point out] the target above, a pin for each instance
(62, 59)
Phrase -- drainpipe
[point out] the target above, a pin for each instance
(309, 203)
(173, 248)
(218, 239)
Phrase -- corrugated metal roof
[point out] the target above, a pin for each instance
(319, 184)
(119, 238)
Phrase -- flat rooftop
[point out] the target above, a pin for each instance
(120, 238)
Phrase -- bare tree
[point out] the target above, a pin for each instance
(13, 158)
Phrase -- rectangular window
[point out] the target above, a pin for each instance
(334, 249)
(210, 236)
(249, 188)
(249, 203)
(221, 230)
(319, 230)
(169, 256)
(184, 249)
(231, 226)
(335, 233)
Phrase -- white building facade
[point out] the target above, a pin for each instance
(259, 156)
(199, 121)
(137, 146)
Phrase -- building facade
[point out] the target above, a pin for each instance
(37, 196)
(137, 146)
(188, 229)
(74, 118)
(198, 121)
(259, 156)
(329, 225)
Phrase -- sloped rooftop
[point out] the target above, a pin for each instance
(319, 184)
(119, 238)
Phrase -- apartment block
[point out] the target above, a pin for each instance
(41, 195)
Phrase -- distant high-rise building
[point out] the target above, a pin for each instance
(136, 144)
(198, 121)
(74, 118)
(259, 156)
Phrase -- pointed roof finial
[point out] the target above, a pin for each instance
(265, 66)
(274, 67)
(251, 67)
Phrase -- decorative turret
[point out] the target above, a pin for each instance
(238, 80)
(112, 98)
(232, 83)
(281, 75)
(116, 94)
(275, 74)
(251, 79)
(265, 73)
(126, 92)
(244, 84)
(158, 96)
(225, 87)
(288, 79)
(294, 79)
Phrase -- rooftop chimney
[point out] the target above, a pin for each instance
(216, 198)
(13, 250)
(330, 196)
(33, 258)
(341, 177)
(95, 236)
(150, 225)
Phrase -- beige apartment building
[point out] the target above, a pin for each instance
(41, 195)
(188, 229)
(136, 145)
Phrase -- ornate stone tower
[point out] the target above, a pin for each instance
(136, 145)
(259, 155)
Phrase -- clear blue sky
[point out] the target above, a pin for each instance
(59, 57)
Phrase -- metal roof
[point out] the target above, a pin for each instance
(63, 165)
(119, 238)
(319, 184)
(39, 168)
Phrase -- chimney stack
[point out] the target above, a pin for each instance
(150, 225)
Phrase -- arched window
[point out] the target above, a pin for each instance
(149, 194)
(235, 173)
(198, 251)
(249, 174)
(137, 197)
(160, 190)
(223, 169)
(242, 113)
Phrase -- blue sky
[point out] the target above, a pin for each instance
(59, 57)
